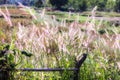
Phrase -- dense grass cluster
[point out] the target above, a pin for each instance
(57, 43)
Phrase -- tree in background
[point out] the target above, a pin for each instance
(38, 3)
(117, 6)
(73, 4)
(1, 1)
(77, 5)
(5, 1)
(83, 5)
(101, 4)
(92, 3)
(110, 5)
(58, 4)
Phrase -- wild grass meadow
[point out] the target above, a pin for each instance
(56, 39)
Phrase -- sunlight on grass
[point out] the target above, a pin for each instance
(56, 43)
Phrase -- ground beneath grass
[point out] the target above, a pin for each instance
(108, 18)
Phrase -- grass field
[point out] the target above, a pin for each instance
(55, 39)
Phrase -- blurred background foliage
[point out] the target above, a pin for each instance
(76, 5)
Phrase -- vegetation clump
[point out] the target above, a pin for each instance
(8, 60)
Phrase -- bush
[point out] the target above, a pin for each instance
(117, 6)
(8, 61)
(38, 3)
(58, 3)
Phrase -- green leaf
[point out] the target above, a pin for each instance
(12, 45)
(1, 48)
(10, 58)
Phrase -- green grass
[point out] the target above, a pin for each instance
(102, 14)
(70, 17)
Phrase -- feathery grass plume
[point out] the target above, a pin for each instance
(114, 41)
(28, 9)
(7, 16)
(93, 13)
(43, 13)
(47, 40)
(69, 15)
(118, 63)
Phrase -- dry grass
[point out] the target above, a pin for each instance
(16, 12)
